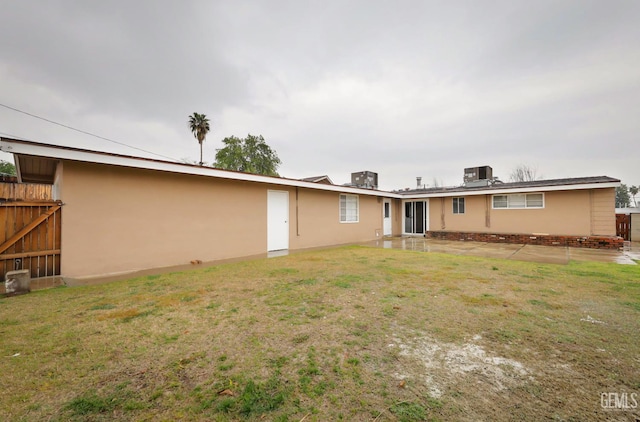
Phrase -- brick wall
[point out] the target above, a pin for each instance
(594, 242)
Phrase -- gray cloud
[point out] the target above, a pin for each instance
(409, 88)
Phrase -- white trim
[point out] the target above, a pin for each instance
(535, 189)
(13, 146)
(64, 153)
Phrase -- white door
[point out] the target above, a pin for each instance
(277, 220)
(386, 218)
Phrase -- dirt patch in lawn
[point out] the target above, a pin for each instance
(447, 364)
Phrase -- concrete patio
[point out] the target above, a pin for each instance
(519, 252)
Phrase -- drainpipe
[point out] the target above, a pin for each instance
(297, 219)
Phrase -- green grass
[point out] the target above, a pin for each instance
(350, 333)
(409, 412)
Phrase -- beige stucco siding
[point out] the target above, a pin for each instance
(397, 217)
(603, 213)
(564, 213)
(56, 189)
(118, 219)
(319, 219)
(472, 220)
(578, 212)
(635, 228)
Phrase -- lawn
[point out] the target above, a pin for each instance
(350, 333)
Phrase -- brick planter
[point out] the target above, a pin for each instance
(594, 242)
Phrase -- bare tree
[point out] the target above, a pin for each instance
(525, 173)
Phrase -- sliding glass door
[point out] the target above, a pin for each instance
(416, 215)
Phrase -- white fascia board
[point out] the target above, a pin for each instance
(515, 190)
(150, 164)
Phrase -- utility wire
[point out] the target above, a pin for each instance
(84, 132)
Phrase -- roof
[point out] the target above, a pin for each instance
(318, 179)
(513, 187)
(628, 210)
(36, 163)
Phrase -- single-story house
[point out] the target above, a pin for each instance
(122, 213)
(573, 212)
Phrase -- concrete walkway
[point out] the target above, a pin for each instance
(519, 252)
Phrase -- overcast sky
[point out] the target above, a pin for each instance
(403, 88)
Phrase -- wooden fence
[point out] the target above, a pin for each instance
(25, 192)
(30, 237)
(623, 226)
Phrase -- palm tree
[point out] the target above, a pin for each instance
(199, 125)
(633, 190)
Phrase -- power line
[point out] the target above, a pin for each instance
(84, 132)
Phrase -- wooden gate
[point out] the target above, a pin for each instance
(30, 237)
(623, 226)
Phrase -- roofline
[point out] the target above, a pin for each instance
(19, 147)
(577, 186)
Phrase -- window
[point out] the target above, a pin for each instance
(535, 200)
(520, 200)
(458, 205)
(387, 210)
(500, 201)
(348, 208)
(516, 201)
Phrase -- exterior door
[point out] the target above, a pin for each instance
(386, 218)
(277, 220)
(416, 217)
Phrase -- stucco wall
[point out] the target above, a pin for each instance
(397, 216)
(578, 212)
(603, 212)
(56, 189)
(318, 219)
(635, 227)
(120, 219)
(564, 212)
(472, 220)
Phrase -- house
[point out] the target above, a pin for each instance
(121, 213)
(573, 212)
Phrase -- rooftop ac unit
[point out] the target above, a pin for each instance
(473, 174)
(365, 179)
